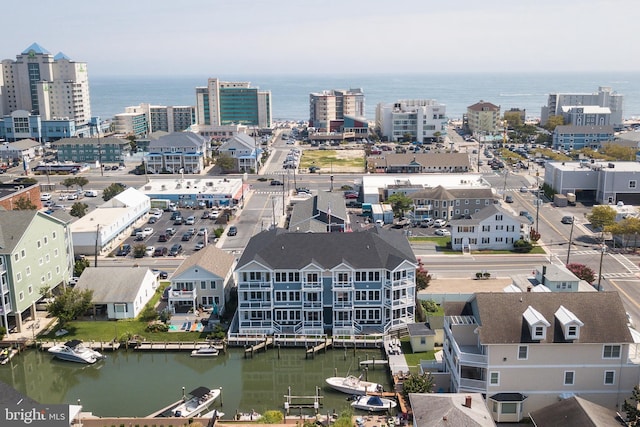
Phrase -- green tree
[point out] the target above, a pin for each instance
(70, 304)
(631, 409)
(417, 383)
(79, 266)
(513, 118)
(78, 181)
(111, 191)
(553, 122)
(24, 204)
(271, 417)
(78, 209)
(68, 182)
(602, 216)
(582, 272)
(138, 250)
(400, 203)
(226, 162)
(619, 152)
(132, 143)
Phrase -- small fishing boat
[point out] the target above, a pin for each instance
(205, 351)
(353, 385)
(373, 403)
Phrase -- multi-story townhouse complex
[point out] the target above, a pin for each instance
(326, 283)
(21, 124)
(527, 350)
(146, 118)
(35, 253)
(570, 137)
(483, 118)
(493, 227)
(226, 103)
(423, 120)
(450, 203)
(88, 150)
(328, 109)
(45, 85)
(176, 152)
(568, 105)
(245, 152)
(204, 279)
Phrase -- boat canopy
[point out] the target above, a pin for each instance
(200, 391)
(375, 401)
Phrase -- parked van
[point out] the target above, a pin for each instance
(91, 193)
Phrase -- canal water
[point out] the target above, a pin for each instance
(130, 383)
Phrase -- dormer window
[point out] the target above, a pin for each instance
(538, 325)
(570, 323)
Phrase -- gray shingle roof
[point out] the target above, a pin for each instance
(584, 129)
(488, 212)
(211, 258)
(112, 284)
(178, 139)
(373, 248)
(13, 224)
(575, 412)
(304, 211)
(501, 320)
(448, 409)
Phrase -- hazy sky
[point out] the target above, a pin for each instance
(200, 37)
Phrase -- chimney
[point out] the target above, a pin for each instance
(467, 401)
(528, 288)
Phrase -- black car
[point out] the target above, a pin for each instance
(175, 215)
(160, 251)
(233, 230)
(276, 182)
(175, 250)
(186, 237)
(162, 238)
(124, 250)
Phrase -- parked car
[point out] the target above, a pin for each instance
(508, 199)
(175, 250)
(427, 222)
(160, 251)
(124, 250)
(170, 231)
(147, 231)
(202, 231)
(233, 230)
(439, 222)
(45, 197)
(351, 196)
(149, 251)
(443, 232)
(190, 220)
(199, 246)
(152, 220)
(276, 182)
(186, 237)
(162, 275)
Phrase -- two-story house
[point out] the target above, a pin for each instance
(450, 203)
(35, 253)
(527, 350)
(176, 152)
(203, 280)
(319, 283)
(493, 227)
(244, 151)
(419, 163)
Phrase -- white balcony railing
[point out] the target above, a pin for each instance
(467, 385)
(256, 304)
(243, 286)
(6, 310)
(182, 295)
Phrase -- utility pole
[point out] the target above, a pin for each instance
(573, 220)
(603, 249)
(95, 255)
(538, 200)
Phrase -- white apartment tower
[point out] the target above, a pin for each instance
(46, 85)
(332, 106)
(419, 118)
(605, 98)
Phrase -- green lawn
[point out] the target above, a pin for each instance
(413, 359)
(327, 159)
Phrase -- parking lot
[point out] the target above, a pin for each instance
(189, 233)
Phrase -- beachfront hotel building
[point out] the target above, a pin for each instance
(328, 109)
(146, 118)
(45, 85)
(483, 118)
(325, 283)
(422, 119)
(227, 103)
(604, 107)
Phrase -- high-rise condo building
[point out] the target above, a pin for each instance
(53, 87)
(327, 109)
(423, 120)
(581, 109)
(225, 103)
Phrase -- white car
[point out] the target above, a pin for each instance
(439, 223)
(63, 197)
(443, 232)
(72, 196)
(148, 231)
(214, 215)
(191, 220)
(149, 251)
(45, 197)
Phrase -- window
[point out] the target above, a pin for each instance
(38, 244)
(203, 285)
(16, 257)
(18, 276)
(632, 184)
(494, 378)
(21, 296)
(573, 331)
(611, 352)
(30, 289)
(28, 271)
(569, 377)
(538, 332)
(46, 240)
(523, 352)
(509, 408)
(23, 253)
(609, 377)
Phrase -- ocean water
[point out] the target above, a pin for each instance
(290, 93)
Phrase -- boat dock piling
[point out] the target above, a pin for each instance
(261, 345)
(302, 402)
(322, 346)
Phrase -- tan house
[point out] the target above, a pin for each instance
(202, 280)
(483, 117)
(525, 351)
(419, 163)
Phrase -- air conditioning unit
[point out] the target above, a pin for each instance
(209, 184)
(163, 187)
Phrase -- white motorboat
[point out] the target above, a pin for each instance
(192, 405)
(75, 351)
(205, 351)
(373, 403)
(353, 385)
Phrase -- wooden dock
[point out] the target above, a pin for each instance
(93, 345)
(374, 362)
(263, 345)
(322, 346)
(175, 346)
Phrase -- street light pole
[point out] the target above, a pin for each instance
(538, 200)
(573, 220)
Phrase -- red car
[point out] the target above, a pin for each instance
(351, 196)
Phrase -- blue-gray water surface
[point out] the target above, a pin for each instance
(130, 383)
